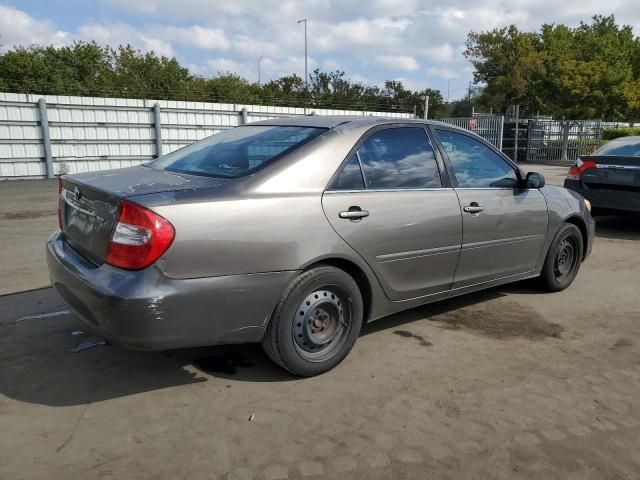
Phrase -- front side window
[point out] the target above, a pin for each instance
(399, 158)
(474, 164)
(236, 152)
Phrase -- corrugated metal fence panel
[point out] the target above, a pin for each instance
(21, 148)
(93, 133)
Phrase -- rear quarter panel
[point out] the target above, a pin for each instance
(248, 235)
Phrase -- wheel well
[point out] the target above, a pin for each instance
(358, 276)
(578, 222)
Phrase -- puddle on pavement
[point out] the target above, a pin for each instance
(406, 334)
(622, 343)
(226, 363)
(501, 319)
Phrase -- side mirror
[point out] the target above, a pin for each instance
(534, 180)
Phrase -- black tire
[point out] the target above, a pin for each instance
(563, 259)
(316, 323)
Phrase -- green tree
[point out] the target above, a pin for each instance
(508, 62)
(590, 71)
(89, 69)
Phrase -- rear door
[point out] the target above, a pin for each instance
(390, 203)
(504, 226)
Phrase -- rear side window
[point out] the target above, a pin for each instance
(351, 176)
(474, 164)
(399, 158)
(236, 152)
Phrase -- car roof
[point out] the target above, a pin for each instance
(630, 138)
(332, 121)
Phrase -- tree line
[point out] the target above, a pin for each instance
(584, 72)
(88, 69)
(587, 72)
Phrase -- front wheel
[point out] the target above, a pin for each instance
(316, 322)
(563, 258)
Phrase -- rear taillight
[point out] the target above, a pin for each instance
(60, 202)
(139, 238)
(579, 167)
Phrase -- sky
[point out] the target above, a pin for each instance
(417, 41)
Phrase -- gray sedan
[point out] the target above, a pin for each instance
(295, 232)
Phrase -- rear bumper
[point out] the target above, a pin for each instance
(619, 200)
(145, 310)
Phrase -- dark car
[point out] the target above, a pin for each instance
(610, 178)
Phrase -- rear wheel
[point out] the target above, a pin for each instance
(563, 258)
(316, 322)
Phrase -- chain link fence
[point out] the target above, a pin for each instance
(561, 142)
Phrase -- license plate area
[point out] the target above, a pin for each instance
(622, 177)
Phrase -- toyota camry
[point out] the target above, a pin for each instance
(295, 232)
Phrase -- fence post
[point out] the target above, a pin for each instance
(526, 152)
(565, 141)
(515, 144)
(158, 127)
(501, 133)
(46, 139)
(243, 116)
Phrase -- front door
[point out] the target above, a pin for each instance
(504, 225)
(389, 204)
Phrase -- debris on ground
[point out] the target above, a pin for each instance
(40, 316)
(81, 347)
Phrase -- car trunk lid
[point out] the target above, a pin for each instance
(89, 202)
(612, 172)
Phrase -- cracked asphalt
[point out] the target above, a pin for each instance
(509, 383)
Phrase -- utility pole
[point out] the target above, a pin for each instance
(426, 107)
(449, 80)
(515, 143)
(306, 75)
(259, 60)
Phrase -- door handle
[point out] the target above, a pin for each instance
(354, 214)
(473, 207)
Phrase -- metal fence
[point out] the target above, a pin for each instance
(561, 141)
(489, 127)
(45, 135)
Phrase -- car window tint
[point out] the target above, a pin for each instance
(474, 164)
(622, 147)
(399, 158)
(351, 176)
(238, 151)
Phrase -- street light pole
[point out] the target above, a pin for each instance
(259, 60)
(449, 80)
(306, 85)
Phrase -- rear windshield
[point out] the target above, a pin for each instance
(626, 147)
(236, 152)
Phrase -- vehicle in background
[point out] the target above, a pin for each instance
(610, 178)
(295, 232)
